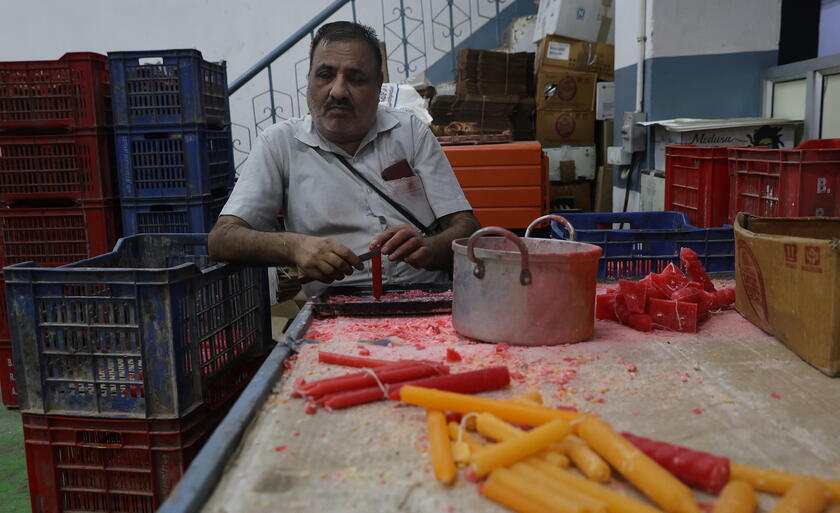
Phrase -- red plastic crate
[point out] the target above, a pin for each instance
(787, 183)
(57, 235)
(79, 464)
(72, 92)
(697, 183)
(4, 313)
(76, 166)
(7, 375)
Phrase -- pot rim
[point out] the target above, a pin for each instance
(587, 252)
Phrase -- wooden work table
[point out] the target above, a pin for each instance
(730, 390)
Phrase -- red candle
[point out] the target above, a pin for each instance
(350, 361)
(389, 374)
(694, 468)
(470, 382)
(354, 397)
(376, 270)
(307, 387)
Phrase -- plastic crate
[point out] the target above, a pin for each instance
(697, 183)
(168, 87)
(649, 242)
(57, 235)
(78, 464)
(72, 92)
(173, 163)
(8, 391)
(141, 332)
(787, 183)
(76, 166)
(182, 216)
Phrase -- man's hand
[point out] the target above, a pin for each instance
(324, 259)
(404, 243)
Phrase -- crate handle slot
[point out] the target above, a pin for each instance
(150, 61)
(104, 439)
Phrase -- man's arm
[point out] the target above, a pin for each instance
(404, 243)
(318, 258)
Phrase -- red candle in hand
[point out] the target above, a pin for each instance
(376, 270)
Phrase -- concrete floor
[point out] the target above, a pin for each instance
(14, 492)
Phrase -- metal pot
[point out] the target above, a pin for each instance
(524, 291)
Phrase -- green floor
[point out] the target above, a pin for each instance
(14, 494)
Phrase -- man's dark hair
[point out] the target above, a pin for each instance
(347, 31)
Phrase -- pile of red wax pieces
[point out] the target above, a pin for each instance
(667, 300)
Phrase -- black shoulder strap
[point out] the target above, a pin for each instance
(399, 208)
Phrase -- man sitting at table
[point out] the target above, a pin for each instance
(333, 172)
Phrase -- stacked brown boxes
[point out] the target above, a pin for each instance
(568, 71)
(493, 99)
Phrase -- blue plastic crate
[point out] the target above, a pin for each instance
(194, 215)
(168, 87)
(144, 331)
(164, 163)
(647, 242)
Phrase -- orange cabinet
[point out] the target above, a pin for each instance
(506, 184)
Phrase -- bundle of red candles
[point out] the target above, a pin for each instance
(383, 379)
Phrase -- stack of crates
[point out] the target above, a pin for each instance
(126, 362)
(172, 138)
(57, 198)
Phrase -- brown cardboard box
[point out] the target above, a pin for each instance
(563, 53)
(556, 128)
(788, 283)
(566, 90)
(604, 189)
(575, 195)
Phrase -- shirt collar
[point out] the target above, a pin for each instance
(308, 134)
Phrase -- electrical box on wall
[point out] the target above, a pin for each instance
(633, 134)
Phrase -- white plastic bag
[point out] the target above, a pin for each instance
(406, 98)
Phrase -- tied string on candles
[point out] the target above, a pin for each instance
(462, 426)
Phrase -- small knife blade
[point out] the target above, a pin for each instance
(364, 257)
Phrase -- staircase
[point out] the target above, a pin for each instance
(422, 40)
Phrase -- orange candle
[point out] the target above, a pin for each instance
(654, 481)
(515, 449)
(545, 496)
(462, 403)
(530, 397)
(736, 497)
(494, 490)
(472, 442)
(587, 460)
(555, 458)
(495, 428)
(774, 481)
(614, 501)
(439, 450)
(534, 475)
(807, 495)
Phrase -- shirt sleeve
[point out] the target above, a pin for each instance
(258, 194)
(443, 191)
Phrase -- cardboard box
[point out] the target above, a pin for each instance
(571, 196)
(563, 53)
(557, 128)
(604, 189)
(566, 90)
(567, 163)
(775, 133)
(788, 283)
(605, 101)
(589, 20)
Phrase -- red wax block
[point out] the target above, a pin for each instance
(350, 361)
(694, 468)
(638, 321)
(674, 315)
(376, 271)
(452, 355)
(695, 293)
(389, 374)
(652, 291)
(669, 280)
(470, 382)
(605, 307)
(724, 297)
(635, 295)
(695, 270)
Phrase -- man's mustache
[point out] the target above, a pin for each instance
(342, 104)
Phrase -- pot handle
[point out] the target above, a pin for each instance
(478, 270)
(552, 217)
